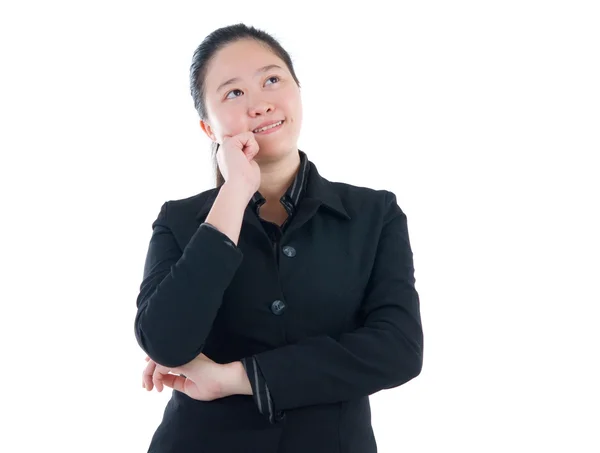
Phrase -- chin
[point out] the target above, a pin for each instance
(272, 151)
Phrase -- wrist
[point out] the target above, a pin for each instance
(239, 189)
(235, 380)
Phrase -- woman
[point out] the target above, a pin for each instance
(277, 302)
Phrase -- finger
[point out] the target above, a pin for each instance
(143, 381)
(175, 382)
(157, 379)
(144, 375)
(147, 375)
(250, 145)
(159, 373)
(148, 383)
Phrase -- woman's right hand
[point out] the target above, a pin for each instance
(235, 158)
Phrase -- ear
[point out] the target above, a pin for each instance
(208, 130)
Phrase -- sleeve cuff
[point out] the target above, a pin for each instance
(260, 391)
(224, 237)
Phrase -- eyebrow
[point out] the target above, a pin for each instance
(236, 79)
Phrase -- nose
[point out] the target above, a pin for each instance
(260, 108)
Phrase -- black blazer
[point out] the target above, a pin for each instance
(335, 319)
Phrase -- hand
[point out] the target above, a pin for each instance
(203, 378)
(235, 158)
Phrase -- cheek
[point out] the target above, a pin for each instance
(293, 106)
(299, 113)
(232, 123)
(297, 116)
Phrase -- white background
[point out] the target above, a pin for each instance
(483, 117)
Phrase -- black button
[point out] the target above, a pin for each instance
(277, 307)
(279, 415)
(290, 251)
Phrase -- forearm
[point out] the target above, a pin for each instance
(171, 325)
(323, 370)
(227, 211)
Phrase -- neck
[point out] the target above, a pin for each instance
(277, 175)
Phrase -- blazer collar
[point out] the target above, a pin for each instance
(318, 189)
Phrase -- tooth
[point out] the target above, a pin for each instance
(267, 127)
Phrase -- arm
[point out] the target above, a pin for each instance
(182, 291)
(385, 352)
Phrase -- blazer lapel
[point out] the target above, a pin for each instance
(319, 192)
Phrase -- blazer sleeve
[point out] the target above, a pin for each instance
(385, 352)
(260, 391)
(182, 290)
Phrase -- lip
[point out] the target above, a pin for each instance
(268, 123)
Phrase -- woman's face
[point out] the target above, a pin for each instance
(262, 92)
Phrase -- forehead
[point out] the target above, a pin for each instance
(239, 59)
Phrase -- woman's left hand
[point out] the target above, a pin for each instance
(203, 378)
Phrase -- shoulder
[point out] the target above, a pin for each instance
(193, 203)
(359, 200)
(185, 209)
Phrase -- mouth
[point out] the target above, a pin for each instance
(269, 129)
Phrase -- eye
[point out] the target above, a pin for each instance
(232, 91)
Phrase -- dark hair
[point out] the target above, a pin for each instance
(206, 51)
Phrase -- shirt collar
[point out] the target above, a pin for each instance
(291, 198)
(315, 187)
